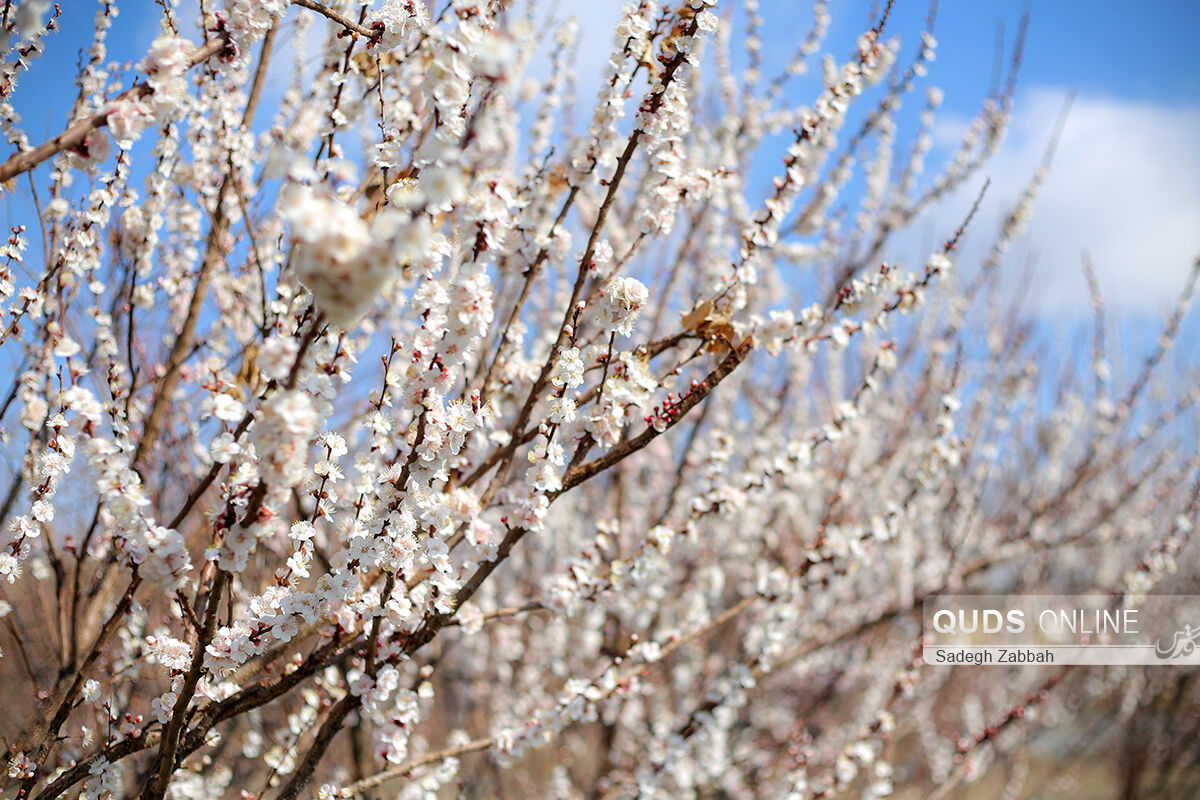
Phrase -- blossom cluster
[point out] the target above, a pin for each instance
(400, 408)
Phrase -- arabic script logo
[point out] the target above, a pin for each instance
(1183, 644)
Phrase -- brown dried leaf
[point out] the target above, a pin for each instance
(696, 318)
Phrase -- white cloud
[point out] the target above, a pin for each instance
(1124, 186)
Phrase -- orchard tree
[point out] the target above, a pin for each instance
(428, 427)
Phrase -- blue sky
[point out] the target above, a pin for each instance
(1125, 185)
(1142, 50)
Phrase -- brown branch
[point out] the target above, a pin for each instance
(345, 22)
(1018, 712)
(400, 771)
(82, 769)
(329, 729)
(170, 741)
(581, 473)
(44, 733)
(73, 136)
(650, 106)
(213, 255)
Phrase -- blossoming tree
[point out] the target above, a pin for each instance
(402, 435)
